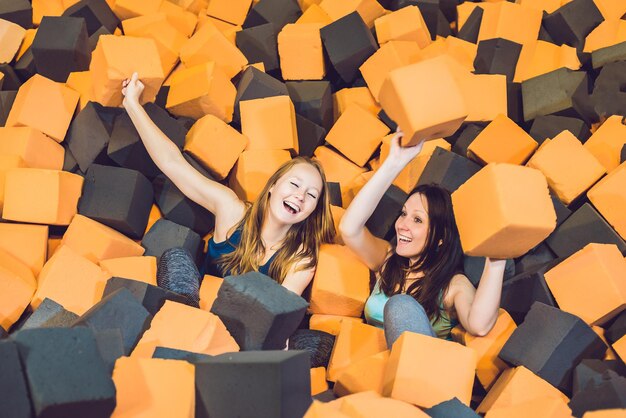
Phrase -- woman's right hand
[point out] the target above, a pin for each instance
(403, 155)
(132, 89)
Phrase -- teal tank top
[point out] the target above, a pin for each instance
(374, 314)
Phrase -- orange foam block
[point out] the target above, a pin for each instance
(116, 58)
(610, 9)
(182, 19)
(502, 141)
(406, 24)
(27, 243)
(543, 57)
(203, 332)
(300, 51)
(209, 44)
(620, 347)
(568, 166)
(380, 407)
(208, 291)
(425, 99)
(337, 213)
(17, 286)
(463, 52)
(33, 147)
(608, 33)
(138, 268)
(153, 387)
(341, 283)
(545, 407)
(11, 37)
(516, 386)
(515, 22)
(318, 380)
(82, 83)
(609, 197)
(349, 191)
(70, 280)
(356, 122)
(329, 323)
(232, 11)
(543, 5)
(426, 371)
(269, 123)
(42, 196)
(503, 211)
(227, 29)
(193, 6)
(43, 8)
(126, 9)
(369, 10)
(607, 141)
(7, 162)
(354, 342)
(485, 96)
(98, 242)
(215, 144)
(363, 375)
(594, 300)
(29, 37)
(488, 347)
(155, 215)
(253, 169)
(201, 90)
(315, 14)
(337, 168)
(45, 105)
(349, 95)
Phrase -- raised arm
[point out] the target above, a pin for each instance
(218, 199)
(370, 249)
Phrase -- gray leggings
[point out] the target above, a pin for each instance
(177, 272)
(403, 313)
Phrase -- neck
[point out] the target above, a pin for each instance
(273, 231)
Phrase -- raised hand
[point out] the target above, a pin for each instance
(132, 89)
(403, 155)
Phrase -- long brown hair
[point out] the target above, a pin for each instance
(302, 241)
(439, 261)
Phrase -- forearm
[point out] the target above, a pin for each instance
(484, 310)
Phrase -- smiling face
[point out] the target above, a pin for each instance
(412, 226)
(295, 194)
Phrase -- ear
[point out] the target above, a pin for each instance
(440, 243)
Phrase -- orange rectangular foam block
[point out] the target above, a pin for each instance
(516, 386)
(82, 83)
(200, 90)
(369, 10)
(620, 347)
(315, 14)
(406, 24)
(337, 213)
(193, 6)
(42, 196)
(33, 147)
(425, 99)
(541, 57)
(391, 55)
(45, 105)
(337, 168)
(488, 347)
(215, 144)
(43, 8)
(232, 11)
(607, 142)
(227, 29)
(70, 280)
(253, 169)
(27, 243)
(485, 96)
(503, 211)
(97, 242)
(502, 141)
(324, 410)
(269, 123)
(156, 388)
(356, 122)
(318, 380)
(608, 33)
(300, 52)
(17, 285)
(116, 58)
(349, 191)
(208, 291)
(610, 9)
(341, 283)
(380, 407)
(182, 19)
(11, 37)
(515, 22)
(209, 44)
(609, 197)
(590, 283)
(354, 342)
(569, 167)
(7, 162)
(361, 95)
(329, 323)
(426, 371)
(363, 375)
(155, 215)
(126, 9)
(203, 332)
(544, 5)
(544, 407)
(138, 268)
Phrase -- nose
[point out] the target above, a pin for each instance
(299, 194)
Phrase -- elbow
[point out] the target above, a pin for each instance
(481, 330)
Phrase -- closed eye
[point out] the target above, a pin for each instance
(294, 184)
(312, 195)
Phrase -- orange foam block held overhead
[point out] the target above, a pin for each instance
(406, 24)
(17, 285)
(609, 197)
(300, 52)
(33, 147)
(269, 123)
(503, 211)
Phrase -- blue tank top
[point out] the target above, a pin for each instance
(217, 249)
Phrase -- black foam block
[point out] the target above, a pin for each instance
(334, 191)
(562, 211)
(474, 266)
(348, 43)
(96, 13)
(622, 157)
(582, 227)
(175, 354)
(3, 333)
(591, 373)
(50, 314)
(119, 310)
(466, 137)
(6, 102)
(453, 408)
(387, 120)
(448, 170)
(94, 37)
(551, 343)
(497, 56)
(17, 11)
(87, 136)
(278, 12)
(610, 394)
(259, 313)
(617, 329)
(549, 126)
(319, 344)
(312, 100)
(69, 161)
(14, 396)
(110, 346)
(10, 81)
(544, 35)
(521, 291)
(151, 297)
(571, 23)
(539, 255)
(255, 84)
(613, 53)
(276, 384)
(471, 27)
(310, 136)
(25, 66)
(61, 46)
(609, 95)
(326, 396)
(66, 374)
(382, 221)
(165, 234)
(117, 197)
(258, 44)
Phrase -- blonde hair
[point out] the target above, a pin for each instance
(302, 241)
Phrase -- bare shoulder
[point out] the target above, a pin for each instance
(459, 283)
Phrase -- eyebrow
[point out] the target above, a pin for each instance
(415, 210)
